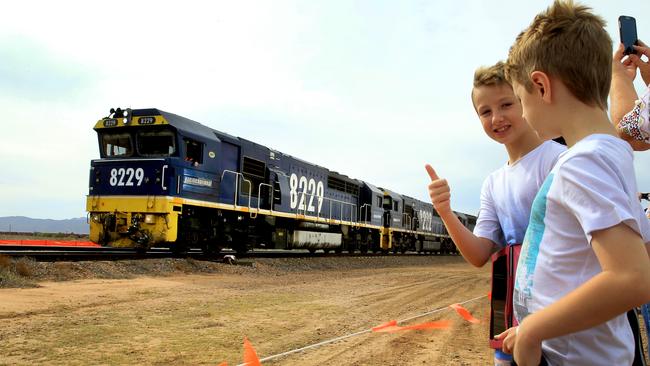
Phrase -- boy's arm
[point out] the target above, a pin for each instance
(475, 250)
(624, 283)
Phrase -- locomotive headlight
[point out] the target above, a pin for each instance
(149, 219)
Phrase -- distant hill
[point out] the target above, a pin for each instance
(29, 225)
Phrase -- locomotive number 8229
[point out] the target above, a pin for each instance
(165, 180)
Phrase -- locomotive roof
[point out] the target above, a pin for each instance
(181, 123)
(373, 188)
(395, 196)
(187, 125)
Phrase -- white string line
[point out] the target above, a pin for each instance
(355, 334)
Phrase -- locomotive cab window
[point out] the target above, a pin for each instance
(388, 202)
(379, 201)
(395, 206)
(156, 143)
(193, 151)
(116, 144)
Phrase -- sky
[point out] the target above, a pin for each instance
(371, 89)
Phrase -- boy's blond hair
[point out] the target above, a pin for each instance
(489, 76)
(569, 42)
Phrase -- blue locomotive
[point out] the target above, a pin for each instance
(165, 180)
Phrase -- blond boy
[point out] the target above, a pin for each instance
(508, 192)
(583, 262)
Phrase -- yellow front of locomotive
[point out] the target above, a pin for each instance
(129, 202)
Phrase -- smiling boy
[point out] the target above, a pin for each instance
(507, 193)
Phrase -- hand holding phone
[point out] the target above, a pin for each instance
(627, 30)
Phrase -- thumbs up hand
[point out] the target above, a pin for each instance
(439, 192)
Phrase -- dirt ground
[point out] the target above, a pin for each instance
(185, 318)
(188, 312)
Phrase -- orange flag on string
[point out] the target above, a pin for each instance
(440, 324)
(391, 326)
(464, 313)
(250, 356)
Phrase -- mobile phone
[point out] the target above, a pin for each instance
(627, 29)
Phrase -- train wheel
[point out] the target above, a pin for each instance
(179, 248)
(312, 250)
(210, 249)
(326, 251)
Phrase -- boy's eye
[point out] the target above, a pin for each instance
(485, 112)
(506, 105)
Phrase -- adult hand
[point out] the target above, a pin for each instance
(439, 192)
(644, 66)
(623, 68)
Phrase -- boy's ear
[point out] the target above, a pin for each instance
(541, 85)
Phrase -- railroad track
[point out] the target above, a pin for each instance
(54, 253)
(77, 253)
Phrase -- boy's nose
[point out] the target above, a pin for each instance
(497, 117)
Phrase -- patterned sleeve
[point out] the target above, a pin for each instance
(635, 122)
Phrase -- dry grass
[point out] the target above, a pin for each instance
(5, 262)
(24, 267)
(16, 273)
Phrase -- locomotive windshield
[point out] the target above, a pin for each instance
(156, 143)
(144, 142)
(116, 144)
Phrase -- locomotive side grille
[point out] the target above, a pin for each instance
(254, 167)
(342, 186)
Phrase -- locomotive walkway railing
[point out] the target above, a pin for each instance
(352, 211)
(237, 177)
(364, 209)
(406, 218)
(348, 212)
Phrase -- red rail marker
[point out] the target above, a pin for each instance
(58, 243)
(464, 313)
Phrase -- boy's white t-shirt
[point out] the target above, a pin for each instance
(592, 187)
(507, 195)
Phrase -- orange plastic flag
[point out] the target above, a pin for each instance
(391, 326)
(440, 324)
(490, 295)
(250, 356)
(464, 313)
